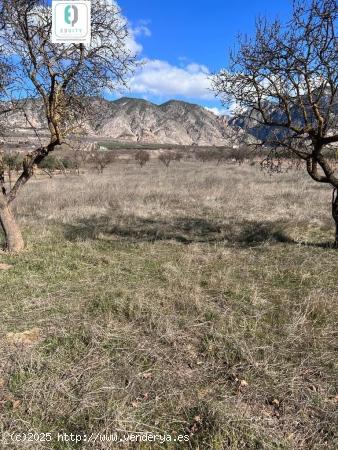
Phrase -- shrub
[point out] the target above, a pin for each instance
(12, 161)
(50, 163)
(142, 157)
(101, 159)
(202, 155)
(239, 155)
(69, 163)
(167, 157)
(178, 156)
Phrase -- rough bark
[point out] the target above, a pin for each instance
(335, 213)
(13, 238)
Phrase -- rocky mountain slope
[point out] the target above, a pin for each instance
(267, 133)
(137, 120)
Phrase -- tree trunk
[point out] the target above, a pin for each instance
(10, 178)
(335, 213)
(13, 236)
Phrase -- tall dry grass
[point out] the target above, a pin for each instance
(195, 299)
(228, 194)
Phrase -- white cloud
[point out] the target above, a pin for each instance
(160, 78)
(197, 69)
(133, 46)
(142, 29)
(157, 77)
(218, 111)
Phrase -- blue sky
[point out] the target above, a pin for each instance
(184, 40)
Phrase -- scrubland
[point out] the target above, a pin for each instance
(195, 300)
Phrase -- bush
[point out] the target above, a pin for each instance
(12, 161)
(101, 159)
(178, 156)
(51, 163)
(203, 155)
(211, 154)
(142, 157)
(167, 157)
(239, 154)
(70, 163)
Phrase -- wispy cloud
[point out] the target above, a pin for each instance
(142, 28)
(136, 31)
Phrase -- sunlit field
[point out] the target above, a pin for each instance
(196, 300)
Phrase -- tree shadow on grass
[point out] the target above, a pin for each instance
(2, 241)
(185, 230)
(324, 245)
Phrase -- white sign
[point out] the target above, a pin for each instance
(71, 22)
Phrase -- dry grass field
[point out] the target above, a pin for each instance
(195, 300)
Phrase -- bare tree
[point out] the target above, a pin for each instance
(5, 81)
(79, 153)
(285, 83)
(142, 157)
(239, 155)
(202, 154)
(100, 159)
(81, 156)
(212, 153)
(178, 156)
(61, 76)
(167, 157)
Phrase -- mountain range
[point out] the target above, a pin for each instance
(137, 120)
